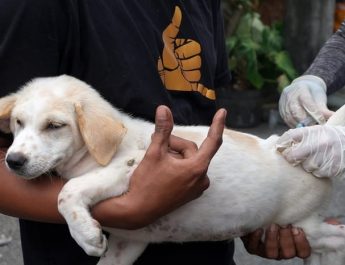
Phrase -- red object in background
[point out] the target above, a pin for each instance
(339, 15)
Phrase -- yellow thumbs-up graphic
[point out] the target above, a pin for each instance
(180, 63)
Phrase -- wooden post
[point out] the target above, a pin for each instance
(308, 24)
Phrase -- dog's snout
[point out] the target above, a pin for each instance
(16, 160)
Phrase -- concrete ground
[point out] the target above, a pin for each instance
(11, 253)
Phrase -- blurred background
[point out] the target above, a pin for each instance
(269, 42)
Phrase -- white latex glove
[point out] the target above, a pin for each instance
(319, 149)
(304, 102)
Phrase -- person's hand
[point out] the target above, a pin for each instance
(304, 102)
(278, 243)
(319, 149)
(162, 182)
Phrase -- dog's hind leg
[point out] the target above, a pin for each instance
(326, 240)
(122, 252)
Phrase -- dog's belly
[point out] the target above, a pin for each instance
(252, 191)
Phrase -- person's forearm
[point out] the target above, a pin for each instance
(34, 199)
(330, 62)
(37, 200)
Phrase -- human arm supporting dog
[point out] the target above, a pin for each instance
(37, 200)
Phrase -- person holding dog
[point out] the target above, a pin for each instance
(138, 55)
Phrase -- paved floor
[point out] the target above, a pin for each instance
(10, 254)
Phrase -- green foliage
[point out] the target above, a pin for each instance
(256, 55)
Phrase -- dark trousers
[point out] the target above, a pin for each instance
(51, 244)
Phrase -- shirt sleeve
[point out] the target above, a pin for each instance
(329, 64)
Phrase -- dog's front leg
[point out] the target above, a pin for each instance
(122, 252)
(79, 194)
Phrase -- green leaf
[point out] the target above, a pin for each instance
(283, 81)
(284, 63)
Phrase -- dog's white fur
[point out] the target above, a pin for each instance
(62, 124)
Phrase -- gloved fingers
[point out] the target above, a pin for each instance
(328, 169)
(287, 103)
(319, 149)
(332, 163)
(326, 112)
(295, 144)
(306, 122)
(297, 106)
(313, 106)
(311, 164)
(296, 114)
(319, 112)
(289, 138)
(296, 154)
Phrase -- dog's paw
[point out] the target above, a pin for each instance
(91, 239)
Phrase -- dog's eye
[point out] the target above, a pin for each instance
(55, 125)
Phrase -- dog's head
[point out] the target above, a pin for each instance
(52, 119)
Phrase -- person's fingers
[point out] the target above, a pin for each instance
(309, 105)
(163, 126)
(302, 246)
(289, 138)
(316, 113)
(286, 242)
(214, 137)
(288, 103)
(327, 113)
(253, 244)
(182, 146)
(272, 242)
(297, 154)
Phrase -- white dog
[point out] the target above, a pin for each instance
(62, 124)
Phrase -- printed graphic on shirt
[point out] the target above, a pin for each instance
(180, 63)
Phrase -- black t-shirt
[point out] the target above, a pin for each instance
(128, 52)
(115, 46)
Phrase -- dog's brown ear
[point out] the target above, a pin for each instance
(6, 106)
(101, 133)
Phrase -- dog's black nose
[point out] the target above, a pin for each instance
(16, 160)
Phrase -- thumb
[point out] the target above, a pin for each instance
(170, 33)
(169, 36)
(163, 126)
(326, 112)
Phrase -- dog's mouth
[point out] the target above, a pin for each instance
(32, 171)
(22, 173)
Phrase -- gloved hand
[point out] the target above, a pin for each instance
(304, 102)
(319, 149)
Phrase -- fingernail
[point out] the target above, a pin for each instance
(295, 231)
(273, 228)
(163, 114)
